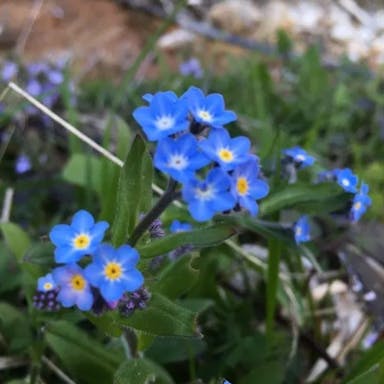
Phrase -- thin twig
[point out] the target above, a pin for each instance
(54, 368)
(26, 31)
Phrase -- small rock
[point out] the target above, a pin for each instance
(176, 39)
(235, 16)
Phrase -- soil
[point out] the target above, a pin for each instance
(97, 35)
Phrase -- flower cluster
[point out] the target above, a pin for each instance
(349, 182)
(41, 79)
(190, 135)
(104, 270)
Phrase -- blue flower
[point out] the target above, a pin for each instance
(22, 164)
(247, 187)
(226, 382)
(299, 156)
(164, 116)
(46, 283)
(177, 226)
(80, 238)
(74, 287)
(301, 230)
(228, 152)
(207, 197)
(9, 70)
(208, 110)
(179, 157)
(191, 67)
(361, 202)
(113, 271)
(346, 179)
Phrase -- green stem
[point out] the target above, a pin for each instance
(165, 200)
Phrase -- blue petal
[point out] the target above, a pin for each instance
(82, 221)
(112, 291)
(200, 211)
(249, 204)
(219, 178)
(61, 234)
(66, 297)
(98, 231)
(215, 103)
(225, 118)
(68, 254)
(133, 280)
(223, 202)
(259, 189)
(84, 300)
(241, 146)
(94, 274)
(128, 256)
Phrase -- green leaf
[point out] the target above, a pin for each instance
(162, 317)
(177, 278)
(167, 350)
(369, 359)
(110, 171)
(84, 170)
(130, 192)
(10, 274)
(141, 371)
(199, 238)
(82, 356)
(16, 239)
(321, 197)
(15, 329)
(372, 376)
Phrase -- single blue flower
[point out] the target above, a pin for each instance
(22, 164)
(361, 202)
(346, 179)
(177, 226)
(246, 187)
(46, 283)
(228, 152)
(179, 157)
(9, 71)
(226, 382)
(113, 271)
(191, 67)
(207, 197)
(299, 156)
(208, 110)
(164, 116)
(74, 288)
(327, 175)
(301, 230)
(80, 238)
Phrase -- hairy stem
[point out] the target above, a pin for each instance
(165, 200)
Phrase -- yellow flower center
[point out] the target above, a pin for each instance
(81, 241)
(48, 286)
(225, 154)
(242, 185)
(77, 282)
(357, 205)
(113, 271)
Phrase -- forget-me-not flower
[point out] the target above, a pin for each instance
(226, 151)
(299, 156)
(210, 196)
(177, 226)
(114, 271)
(80, 238)
(74, 287)
(191, 67)
(208, 110)
(301, 230)
(246, 187)
(346, 179)
(361, 202)
(46, 283)
(165, 115)
(179, 157)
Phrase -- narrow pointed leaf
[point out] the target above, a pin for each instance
(16, 239)
(199, 238)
